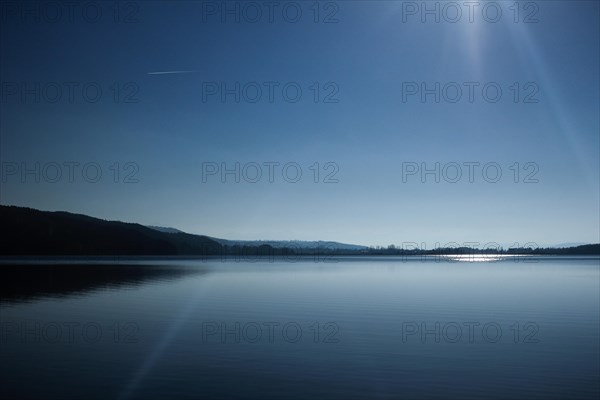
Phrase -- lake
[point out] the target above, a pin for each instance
(347, 327)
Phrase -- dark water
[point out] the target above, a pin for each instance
(355, 328)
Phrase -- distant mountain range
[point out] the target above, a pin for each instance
(30, 232)
(165, 230)
(276, 244)
(294, 244)
(310, 244)
(566, 245)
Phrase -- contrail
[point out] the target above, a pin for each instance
(170, 72)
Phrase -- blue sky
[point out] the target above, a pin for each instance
(364, 62)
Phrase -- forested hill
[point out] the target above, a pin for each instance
(32, 232)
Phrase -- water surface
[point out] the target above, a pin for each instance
(382, 327)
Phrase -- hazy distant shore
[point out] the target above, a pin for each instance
(37, 233)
